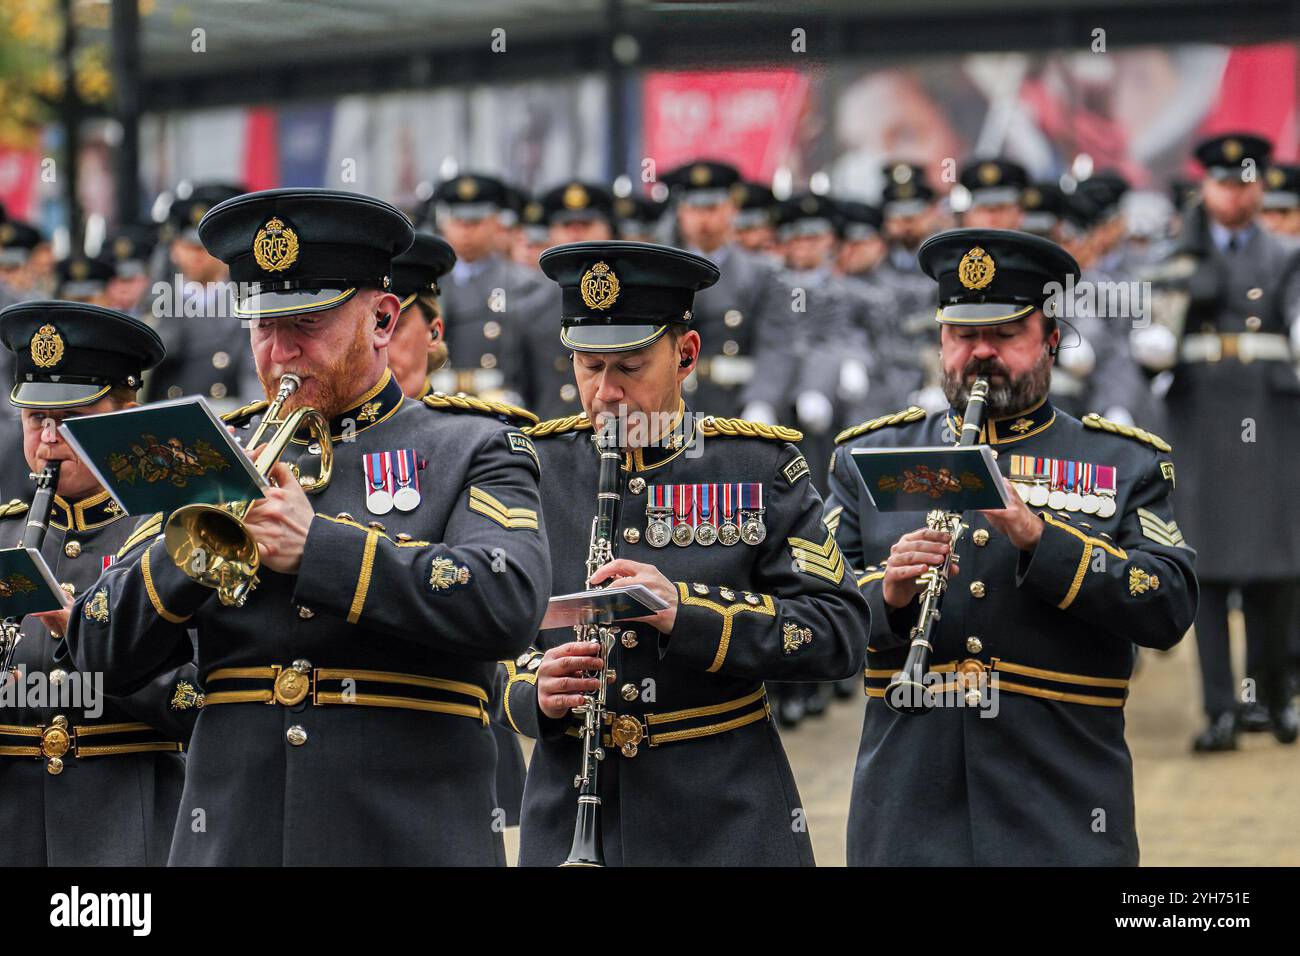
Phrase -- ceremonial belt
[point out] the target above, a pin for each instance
(1246, 347)
(727, 370)
(472, 381)
(628, 731)
(57, 741)
(1015, 679)
(289, 686)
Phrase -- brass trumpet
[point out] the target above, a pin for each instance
(209, 543)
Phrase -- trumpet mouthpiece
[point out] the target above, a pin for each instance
(289, 383)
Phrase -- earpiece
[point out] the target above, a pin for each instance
(1052, 350)
(686, 362)
(383, 320)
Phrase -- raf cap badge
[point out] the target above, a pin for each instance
(599, 286)
(275, 247)
(976, 269)
(47, 347)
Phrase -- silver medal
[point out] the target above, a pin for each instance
(379, 502)
(406, 498)
(728, 534)
(1107, 506)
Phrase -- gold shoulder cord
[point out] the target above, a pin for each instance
(913, 413)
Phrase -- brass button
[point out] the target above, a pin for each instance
(344, 516)
(313, 448)
(72, 549)
(980, 537)
(54, 766)
(628, 639)
(522, 659)
(69, 589)
(1255, 294)
(562, 365)
(977, 589)
(296, 735)
(730, 347)
(305, 612)
(726, 594)
(302, 666)
(174, 391)
(1253, 323)
(218, 390)
(403, 537)
(220, 359)
(700, 589)
(58, 677)
(732, 318)
(488, 360)
(636, 486)
(752, 598)
(974, 644)
(629, 692)
(534, 663)
(631, 535)
(491, 330)
(568, 392)
(376, 526)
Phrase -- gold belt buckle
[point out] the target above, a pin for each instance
(291, 686)
(969, 674)
(1229, 346)
(55, 742)
(627, 733)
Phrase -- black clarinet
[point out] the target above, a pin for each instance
(587, 848)
(907, 693)
(38, 520)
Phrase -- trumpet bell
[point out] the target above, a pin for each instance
(212, 547)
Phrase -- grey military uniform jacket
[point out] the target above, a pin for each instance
(375, 747)
(697, 774)
(1038, 772)
(87, 779)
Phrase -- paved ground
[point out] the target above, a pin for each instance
(1214, 810)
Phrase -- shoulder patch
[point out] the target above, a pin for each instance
(513, 414)
(913, 413)
(13, 509)
(521, 444)
(558, 426)
(152, 527)
(1093, 420)
(711, 426)
(798, 468)
(244, 413)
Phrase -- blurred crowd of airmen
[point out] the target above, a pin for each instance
(822, 318)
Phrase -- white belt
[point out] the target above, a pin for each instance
(727, 369)
(474, 381)
(1246, 347)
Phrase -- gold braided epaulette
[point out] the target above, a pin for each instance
(1093, 420)
(558, 426)
(913, 413)
(468, 403)
(741, 428)
(14, 508)
(150, 529)
(241, 415)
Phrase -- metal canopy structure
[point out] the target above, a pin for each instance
(280, 50)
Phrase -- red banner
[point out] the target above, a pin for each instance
(18, 171)
(749, 118)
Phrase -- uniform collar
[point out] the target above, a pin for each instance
(96, 511)
(378, 404)
(1009, 428)
(425, 389)
(680, 437)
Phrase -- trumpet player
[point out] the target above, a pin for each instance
(718, 519)
(1022, 759)
(85, 779)
(345, 712)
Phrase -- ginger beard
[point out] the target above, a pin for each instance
(329, 387)
(1007, 395)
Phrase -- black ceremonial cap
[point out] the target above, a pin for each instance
(703, 183)
(532, 219)
(857, 220)
(807, 214)
(184, 215)
(1282, 187)
(129, 249)
(991, 276)
(68, 354)
(1104, 190)
(755, 205)
(620, 296)
(17, 240)
(417, 270)
(994, 182)
(1225, 156)
(906, 191)
(80, 278)
(1044, 206)
(576, 201)
(304, 250)
(637, 213)
(472, 196)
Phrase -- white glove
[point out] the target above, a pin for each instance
(932, 399)
(854, 380)
(1119, 415)
(814, 410)
(759, 412)
(1078, 359)
(1154, 347)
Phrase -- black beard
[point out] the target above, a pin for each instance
(1009, 397)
